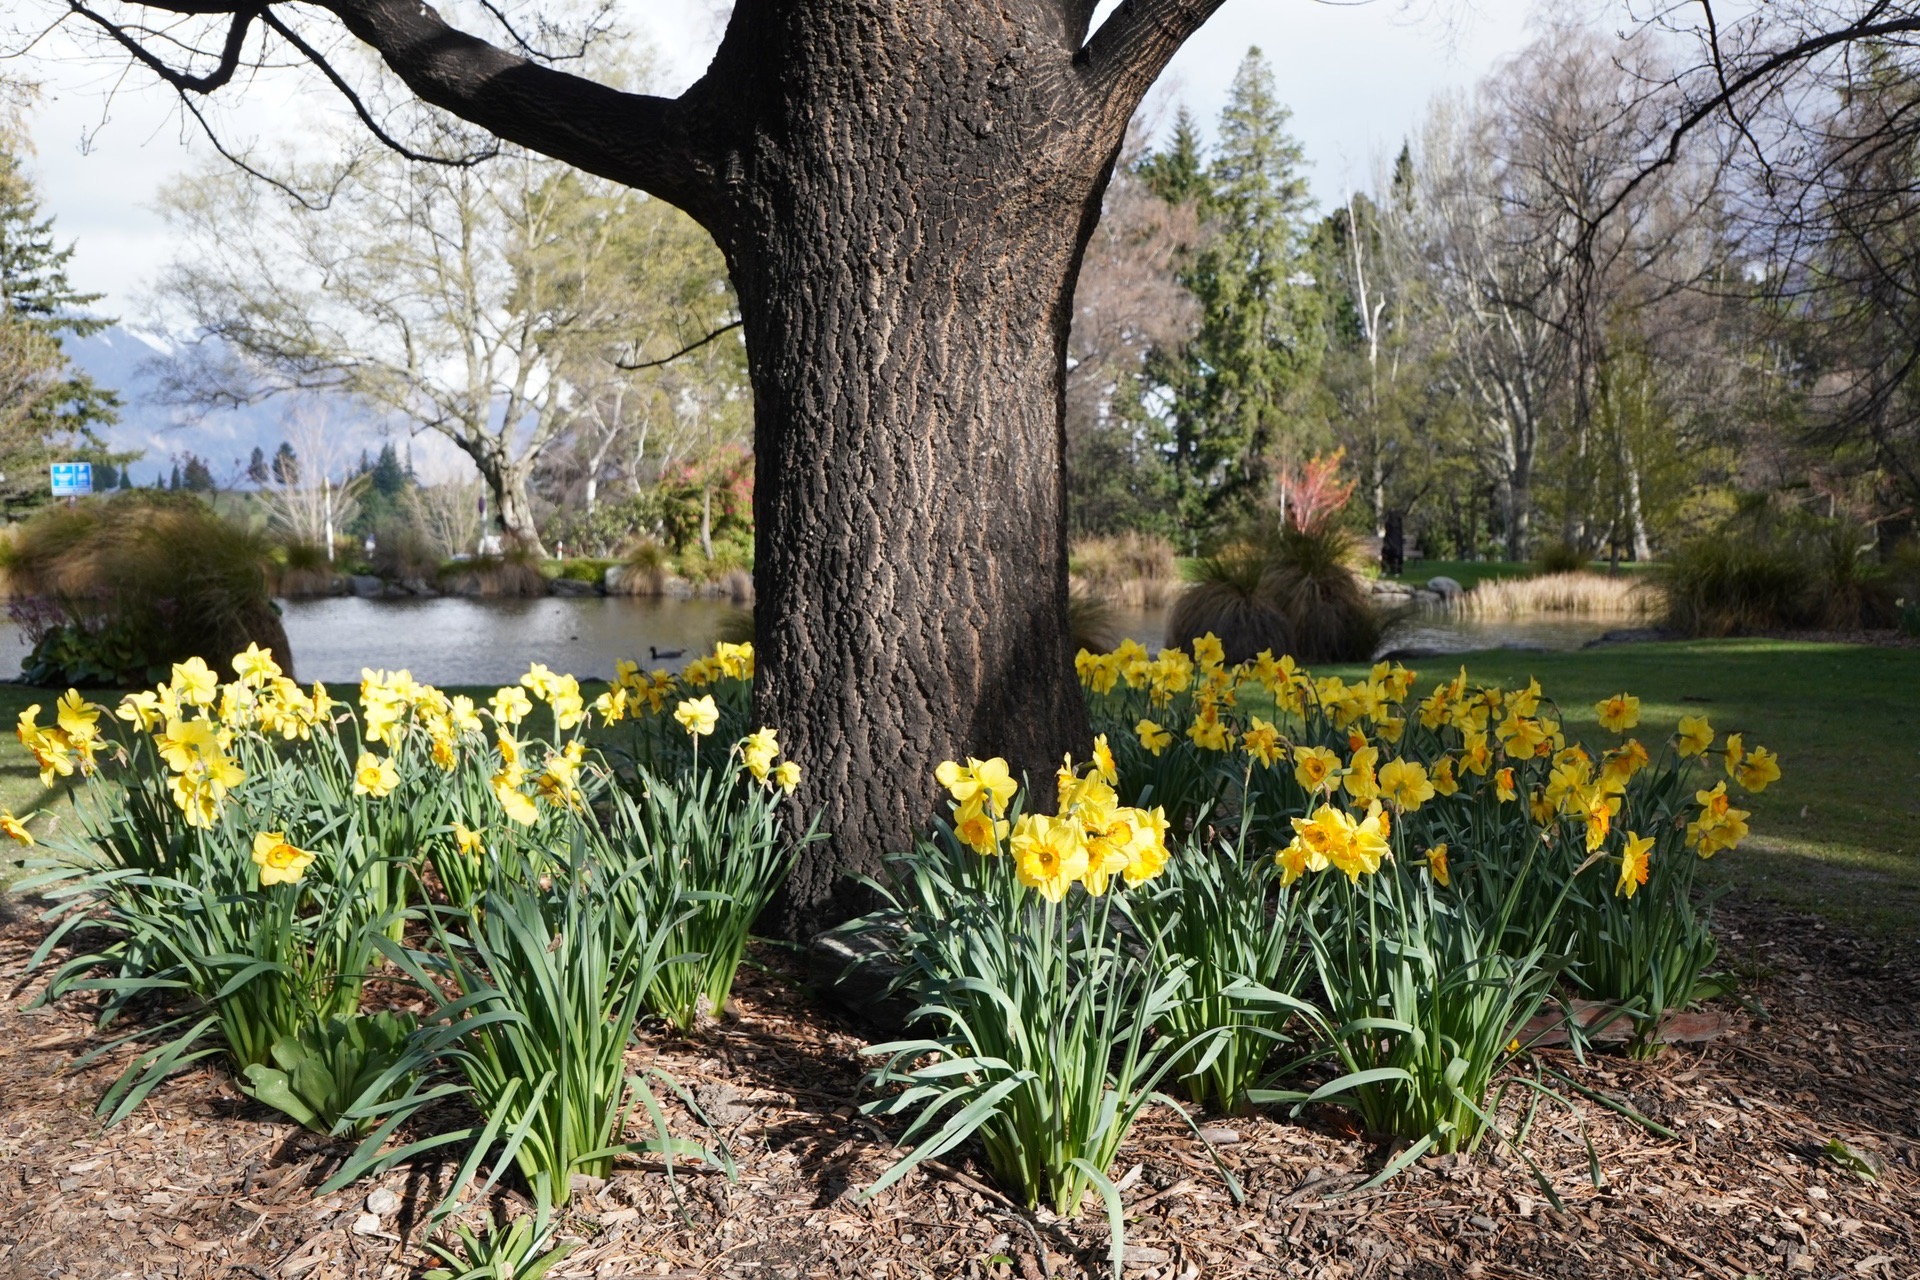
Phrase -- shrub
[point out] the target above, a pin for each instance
(1767, 571)
(1558, 558)
(115, 590)
(403, 551)
(582, 570)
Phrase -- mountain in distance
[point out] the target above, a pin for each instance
(121, 358)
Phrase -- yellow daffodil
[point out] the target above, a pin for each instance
(1696, 735)
(510, 706)
(1405, 784)
(1314, 768)
(1444, 781)
(468, 841)
(255, 667)
(185, 742)
(1262, 742)
(1208, 731)
(518, 805)
(1154, 738)
(141, 710)
(1733, 754)
(1476, 755)
(1634, 864)
(786, 776)
(1719, 825)
(1759, 770)
(1360, 780)
(1147, 851)
(194, 683)
(1596, 807)
(1208, 651)
(975, 777)
(1437, 865)
(697, 716)
(279, 862)
(1503, 785)
(1619, 713)
(374, 776)
(978, 829)
(1103, 763)
(1048, 854)
(757, 751)
(77, 718)
(15, 828)
(1365, 845)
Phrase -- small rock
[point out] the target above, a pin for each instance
(383, 1203)
(1145, 1255)
(366, 1225)
(573, 587)
(1220, 1137)
(585, 1184)
(1483, 1222)
(365, 585)
(1816, 1193)
(1444, 587)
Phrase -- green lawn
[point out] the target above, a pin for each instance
(1839, 834)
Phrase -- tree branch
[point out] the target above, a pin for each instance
(1133, 46)
(686, 350)
(637, 140)
(220, 75)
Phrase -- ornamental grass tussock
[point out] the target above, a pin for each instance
(246, 853)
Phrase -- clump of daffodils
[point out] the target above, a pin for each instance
(1091, 840)
(1366, 752)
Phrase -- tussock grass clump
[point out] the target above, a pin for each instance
(1228, 599)
(1582, 594)
(305, 572)
(1091, 620)
(513, 575)
(1311, 580)
(1767, 572)
(1129, 570)
(644, 570)
(117, 589)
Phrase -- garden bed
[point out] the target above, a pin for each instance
(203, 1182)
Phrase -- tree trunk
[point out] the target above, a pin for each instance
(508, 483)
(908, 350)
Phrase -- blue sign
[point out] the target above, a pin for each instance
(72, 479)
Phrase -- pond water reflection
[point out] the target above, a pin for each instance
(460, 641)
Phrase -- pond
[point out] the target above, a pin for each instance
(452, 640)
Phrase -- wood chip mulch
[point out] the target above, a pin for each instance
(202, 1182)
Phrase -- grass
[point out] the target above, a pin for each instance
(1471, 573)
(1838, 835)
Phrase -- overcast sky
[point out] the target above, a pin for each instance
(1356, 75)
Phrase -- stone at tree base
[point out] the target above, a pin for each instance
(854, 971)
(1444, 587)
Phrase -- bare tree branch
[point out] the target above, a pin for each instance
(686, 350)
(1133, 46)
(181, 80)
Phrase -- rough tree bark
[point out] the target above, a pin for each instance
(903, 190)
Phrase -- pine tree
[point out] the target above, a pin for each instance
(1261, 332)
(257, 466)
(197, 477)
(173, 481)
(35, 292)
(286, 464)
(1179, 173)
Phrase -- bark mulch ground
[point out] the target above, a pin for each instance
(204, 1183)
